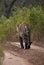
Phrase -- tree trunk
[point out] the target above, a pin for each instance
(7, 7)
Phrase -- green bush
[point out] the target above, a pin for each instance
(2, 29)
(1, 53)
(34, 16)
(1, 56)
(37, 22)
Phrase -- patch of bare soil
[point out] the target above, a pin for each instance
(39, 43)
(11, 59)
(33, 56)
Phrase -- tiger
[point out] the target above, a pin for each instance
(24, 35)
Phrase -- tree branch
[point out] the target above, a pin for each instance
(8, 7)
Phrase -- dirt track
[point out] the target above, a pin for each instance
(11, 59)
(15, 59)
(32, 46)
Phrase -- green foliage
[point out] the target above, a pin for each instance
(22, 15)
(1, 53)
(7, 27)
(37, 22)
(2, 33)
(34, 16)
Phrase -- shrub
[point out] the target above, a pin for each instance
(37, 22)
(1, 56)
(34, 16)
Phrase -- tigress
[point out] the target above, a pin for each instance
(24, 34)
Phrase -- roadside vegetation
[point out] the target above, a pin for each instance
(34, 16)
(1, 56)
